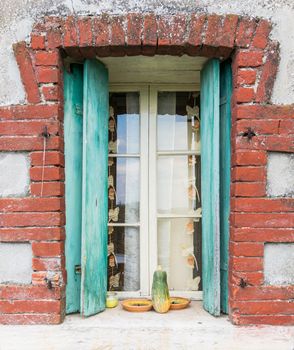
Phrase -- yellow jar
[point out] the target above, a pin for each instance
(111, 300)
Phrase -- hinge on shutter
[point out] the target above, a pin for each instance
(78, 269)
(78, 109)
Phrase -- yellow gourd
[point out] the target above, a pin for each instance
(160, 292)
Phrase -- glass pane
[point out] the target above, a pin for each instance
(178, 122)
(123, 258)
(179, 253)
(123, 189)
(178, 184)
(124, 123)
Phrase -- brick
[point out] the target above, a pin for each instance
(164, 31)
(226, 35)
(70, 37)
(50, 93)
(30, 204)
(51, 158)
(20, 143)
(268, 74)
(31, 219)
(30, 112)
(47, 173)
(85, 31)
(54, 39)
(134, 34)
(250, 158)
(248, 264)
(246, 249)
(264, 220)
(248, 59)
(31, 233)
(261, 35)
(254, 174)
(212, 31)
(24, 319)
(245, 77)
(149, 34)
(261, 293)
(265, 307)
(27, 72)
(250, 278)
(47, 75)
(30, 306)
(49, 264)
(286, 127)
(28, 128)
(249, 189)
(101, 30)
(247, 234)
(261, 127)
(275, 320)
(266, 143)
(48, 249)
(178, 34)
(264, 204)
(243, 94)
(37, 42)
(23, 292)
(54, 30)
(50, 189)
(45, 58)
(196, 32)
(117, 33)
(264, 112)
(245, 32)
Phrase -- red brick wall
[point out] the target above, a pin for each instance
(255, 219)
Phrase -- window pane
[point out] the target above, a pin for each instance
(124, 123)
(123, 190)
(123, 258)
(178, 184)
(179, 253)
(178, 123)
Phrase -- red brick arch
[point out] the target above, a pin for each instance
(255, 219)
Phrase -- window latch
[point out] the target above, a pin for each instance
(78, 269)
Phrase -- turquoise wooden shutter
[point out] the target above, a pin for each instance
(94, 203)
(210, 182)
(73, 141)
(225, 174)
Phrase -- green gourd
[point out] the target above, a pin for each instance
(160, 293)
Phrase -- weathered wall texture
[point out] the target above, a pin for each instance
(17, 18)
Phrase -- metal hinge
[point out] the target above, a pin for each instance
(78, 269)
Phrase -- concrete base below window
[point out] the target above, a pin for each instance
(192, 328)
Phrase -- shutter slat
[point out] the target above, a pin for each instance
(210, 182)
(94, 209)
(73, 142)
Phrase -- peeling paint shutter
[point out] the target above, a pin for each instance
(210, 183)
(225, 174)
(73, 138)
(94, 202)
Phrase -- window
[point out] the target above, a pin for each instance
(133, 187)
(156, 128)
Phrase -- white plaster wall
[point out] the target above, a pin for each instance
(18, 16)
(15, 263)
(280, 174)
(278, 263)
(14, 174)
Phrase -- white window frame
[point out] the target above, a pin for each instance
(148, 179)
(143, 224)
